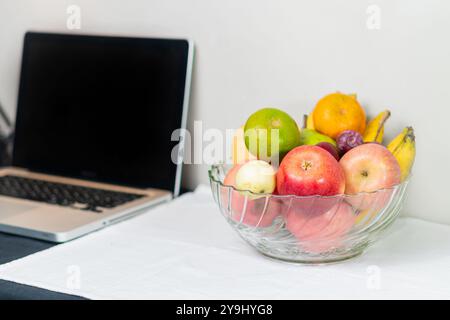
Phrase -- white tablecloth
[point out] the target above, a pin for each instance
(186, 250)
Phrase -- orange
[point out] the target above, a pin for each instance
(338, 112)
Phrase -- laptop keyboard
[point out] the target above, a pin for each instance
(82, 198)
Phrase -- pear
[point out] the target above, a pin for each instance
(312, 137)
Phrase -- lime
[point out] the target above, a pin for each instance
(271, 133)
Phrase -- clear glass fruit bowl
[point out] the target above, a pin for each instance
(311, 229)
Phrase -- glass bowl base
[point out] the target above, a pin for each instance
(312, 261)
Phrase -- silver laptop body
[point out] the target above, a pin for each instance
(28, 206)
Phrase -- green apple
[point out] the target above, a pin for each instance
(311, 137)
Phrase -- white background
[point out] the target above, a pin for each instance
(286, 54)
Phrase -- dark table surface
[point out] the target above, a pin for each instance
(15, 247)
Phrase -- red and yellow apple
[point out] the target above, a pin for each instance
(368, 168)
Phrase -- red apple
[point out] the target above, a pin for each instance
(257, 213)
(230, 178)
(228, 195)
(330, 148)
(322, 232)
(310, 170)
(368, 168)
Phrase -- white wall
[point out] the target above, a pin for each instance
(252, 53)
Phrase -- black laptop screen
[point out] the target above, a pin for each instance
(101, 108)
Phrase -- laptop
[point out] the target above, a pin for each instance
(93, 130)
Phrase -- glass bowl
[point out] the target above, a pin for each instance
(311, 229)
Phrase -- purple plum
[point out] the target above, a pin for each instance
(347, 140)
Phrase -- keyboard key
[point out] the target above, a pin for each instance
(82, 198)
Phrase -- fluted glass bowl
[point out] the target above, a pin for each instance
(311, 229)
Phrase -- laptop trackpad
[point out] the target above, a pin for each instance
(8, 209)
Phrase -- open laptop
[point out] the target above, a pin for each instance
(93, 132)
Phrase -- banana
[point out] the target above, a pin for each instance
(403, 147)
(375, 128)
(308, 121)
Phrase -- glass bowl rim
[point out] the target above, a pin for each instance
(293, 196)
